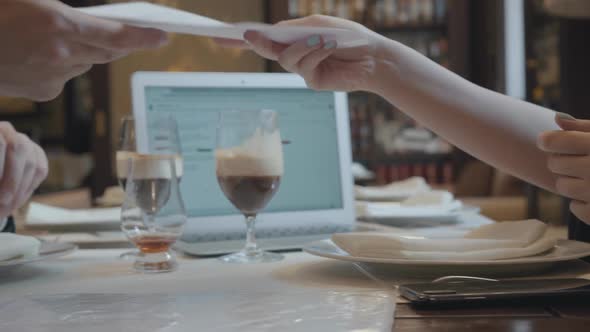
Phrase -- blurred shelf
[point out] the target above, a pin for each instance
(8, 116)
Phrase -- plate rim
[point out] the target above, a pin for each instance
(68, 249)
(399, 261)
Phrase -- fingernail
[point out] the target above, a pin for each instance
(163, 41)
(249, 35)
(313, 41)
(330, 45)
(564, 116)
(160, 38)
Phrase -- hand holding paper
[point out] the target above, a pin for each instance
(144, 14)
(47, 43)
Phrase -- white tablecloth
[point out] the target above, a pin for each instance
(296, 294)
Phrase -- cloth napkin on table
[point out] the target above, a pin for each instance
(501, 240)
(430, 203)
(395, 191)
(18, 246)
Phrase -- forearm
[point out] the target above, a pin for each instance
(495, 128)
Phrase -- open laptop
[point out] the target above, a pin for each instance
(315, 198)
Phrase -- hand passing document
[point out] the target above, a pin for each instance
(168, 19)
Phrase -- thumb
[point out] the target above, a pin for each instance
(568, 122)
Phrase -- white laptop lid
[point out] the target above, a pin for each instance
(316, 189)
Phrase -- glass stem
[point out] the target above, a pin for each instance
(251, 246)
(151, 222)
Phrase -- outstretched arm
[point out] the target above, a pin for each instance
(495, 128)
(515, 136)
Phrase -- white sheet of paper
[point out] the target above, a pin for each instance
(178, 21)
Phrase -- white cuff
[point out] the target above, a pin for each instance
(3, 223)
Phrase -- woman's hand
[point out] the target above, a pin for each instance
(318, 61)
(569, 160)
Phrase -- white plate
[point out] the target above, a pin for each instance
(47, 251)
(426, 220)
(564, 250)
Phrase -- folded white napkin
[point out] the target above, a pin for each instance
(395, 191)
(360, 172)
(46, 215)
(18, 246)
(489, 242)
(427, 204)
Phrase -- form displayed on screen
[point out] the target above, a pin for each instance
(307, 121)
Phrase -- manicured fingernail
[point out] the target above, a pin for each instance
(250, 35)
(313, 41)
(564, 116)
(165, 38)
(330, 45)
(160, 38)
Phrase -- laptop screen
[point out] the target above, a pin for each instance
(307, 120)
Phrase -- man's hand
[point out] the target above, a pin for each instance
(46, 43)
(23, 166)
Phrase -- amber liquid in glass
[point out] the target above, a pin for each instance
(151, 244)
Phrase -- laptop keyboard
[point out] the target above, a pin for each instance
(266, 233)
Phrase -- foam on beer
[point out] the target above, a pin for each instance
(146, 166)
(259, 155)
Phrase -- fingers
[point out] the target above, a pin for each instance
(569, 165)
(569, 159)
(26, 180)
(264, 46)
(309, 66)
(231, 43)
(568, 122)
(303, 57)
(291, 57)
(573, 188)
(579, 191)
(13, 171)
(89, 55)
(25, 167)
(41, 169)
(565, 142)
(114, 35)
(581, 210)
(36, 175)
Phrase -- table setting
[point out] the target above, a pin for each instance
(407, 231)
